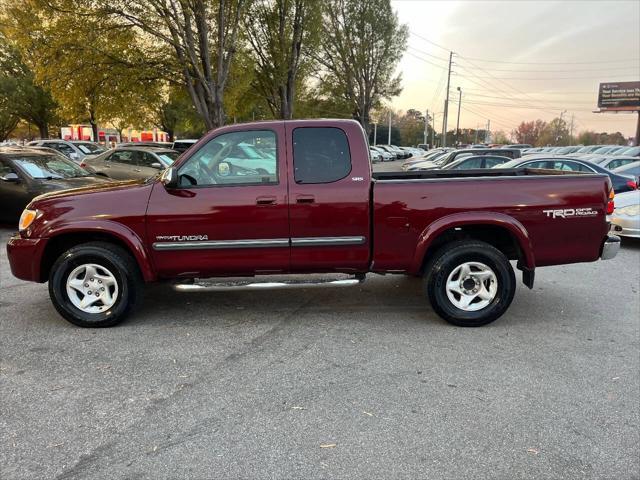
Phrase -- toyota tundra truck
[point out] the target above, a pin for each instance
(287, 198)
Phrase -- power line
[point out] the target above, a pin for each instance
(594, 62)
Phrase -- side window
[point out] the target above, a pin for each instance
(491, 162)
(145, 159)
(540, 164)
(471, 163)
(233, 159)
(4, 169)
(125, 156)
(570, 167)
(320, 154)
(62, 148)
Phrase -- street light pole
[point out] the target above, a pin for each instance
(458, 122)
(375, 133)
(446, 104)
(389, 141)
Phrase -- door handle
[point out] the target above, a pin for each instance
(266, 200)
(305, 199)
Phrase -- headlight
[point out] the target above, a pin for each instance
(631, 210)
(26, 219)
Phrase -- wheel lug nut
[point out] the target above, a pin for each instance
(99, 281)
(86, 285)
(102, 289)
(89, 292)
(97, 294)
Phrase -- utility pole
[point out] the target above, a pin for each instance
(477, 128)
(487, 134)
(571, 131)
(446, 104)
(458, 122)
(426, 126)
(389, 141)
(375, 133)
(559, 125)
(433, 131)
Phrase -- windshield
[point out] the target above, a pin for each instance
(168, 157)
(89, 148)
(50, 166)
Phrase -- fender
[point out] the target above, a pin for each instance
(433, 230)
(108, 227)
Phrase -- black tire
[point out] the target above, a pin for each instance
(451, 256)
(117, 261)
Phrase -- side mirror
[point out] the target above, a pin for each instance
(11, 177)
(169, 178)
(157, 165)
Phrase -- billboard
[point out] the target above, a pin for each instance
(619, 96)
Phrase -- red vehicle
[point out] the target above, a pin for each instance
(299, 197)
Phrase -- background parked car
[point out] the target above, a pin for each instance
(454, 155)
(625, 219)
(26, 173)
(611, 162)
(145, 144)
(375, 155)
(631, 169)
(620, 183)
(386, 156)
(73, 150)
(127, 163)
(183, 145)
(480, 161)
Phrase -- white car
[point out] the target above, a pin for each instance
(75, 150)
(625, 220)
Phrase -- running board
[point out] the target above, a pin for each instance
(219, 285)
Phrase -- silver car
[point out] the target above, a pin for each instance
(129, 163)
(625, 220)
(75, 150)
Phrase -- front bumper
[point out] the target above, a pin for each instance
(25, 256)
(610, 247)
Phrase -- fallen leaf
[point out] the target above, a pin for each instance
(533, 451)
(328, 445)
(298, 408)
(367, 413)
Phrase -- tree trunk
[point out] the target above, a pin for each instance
(44, 130)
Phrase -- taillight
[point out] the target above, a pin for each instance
(610, 205)
(631, 184)
(82, 164)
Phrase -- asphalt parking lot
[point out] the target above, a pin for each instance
(364, 382)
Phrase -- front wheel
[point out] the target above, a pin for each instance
(470, 283)
(95, 284)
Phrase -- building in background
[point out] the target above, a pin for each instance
(111, 135)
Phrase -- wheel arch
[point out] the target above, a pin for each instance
(500, 230)
(111, 232)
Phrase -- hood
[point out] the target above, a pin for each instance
(59, 188)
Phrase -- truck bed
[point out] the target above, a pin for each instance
(479, 172)
(408, 206)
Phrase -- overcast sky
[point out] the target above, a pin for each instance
(554, 56)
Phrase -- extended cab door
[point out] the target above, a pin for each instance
(329, 195)
(224, 218)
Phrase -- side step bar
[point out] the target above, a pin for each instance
(220, 285)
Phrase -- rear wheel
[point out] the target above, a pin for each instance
(470, 283)
(95, 284)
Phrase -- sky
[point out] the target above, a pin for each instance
(519, 60)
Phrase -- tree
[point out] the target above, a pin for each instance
(556, 132)
(8, 119)
(362, 43)
(203, 36)
(280, 32)
(529, 132)
(95, 70)
(500, 137)
(28, 101)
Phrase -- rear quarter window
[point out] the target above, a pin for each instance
(320, 154)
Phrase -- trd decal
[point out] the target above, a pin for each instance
(570, 212)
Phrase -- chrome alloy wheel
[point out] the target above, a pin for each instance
(92, 288)
(472, 286)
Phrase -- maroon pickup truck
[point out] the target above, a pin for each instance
(299, 197)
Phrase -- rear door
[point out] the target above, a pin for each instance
(329, 197)
(122, 165)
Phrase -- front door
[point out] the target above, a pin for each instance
(226, 217)
(329, 198)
